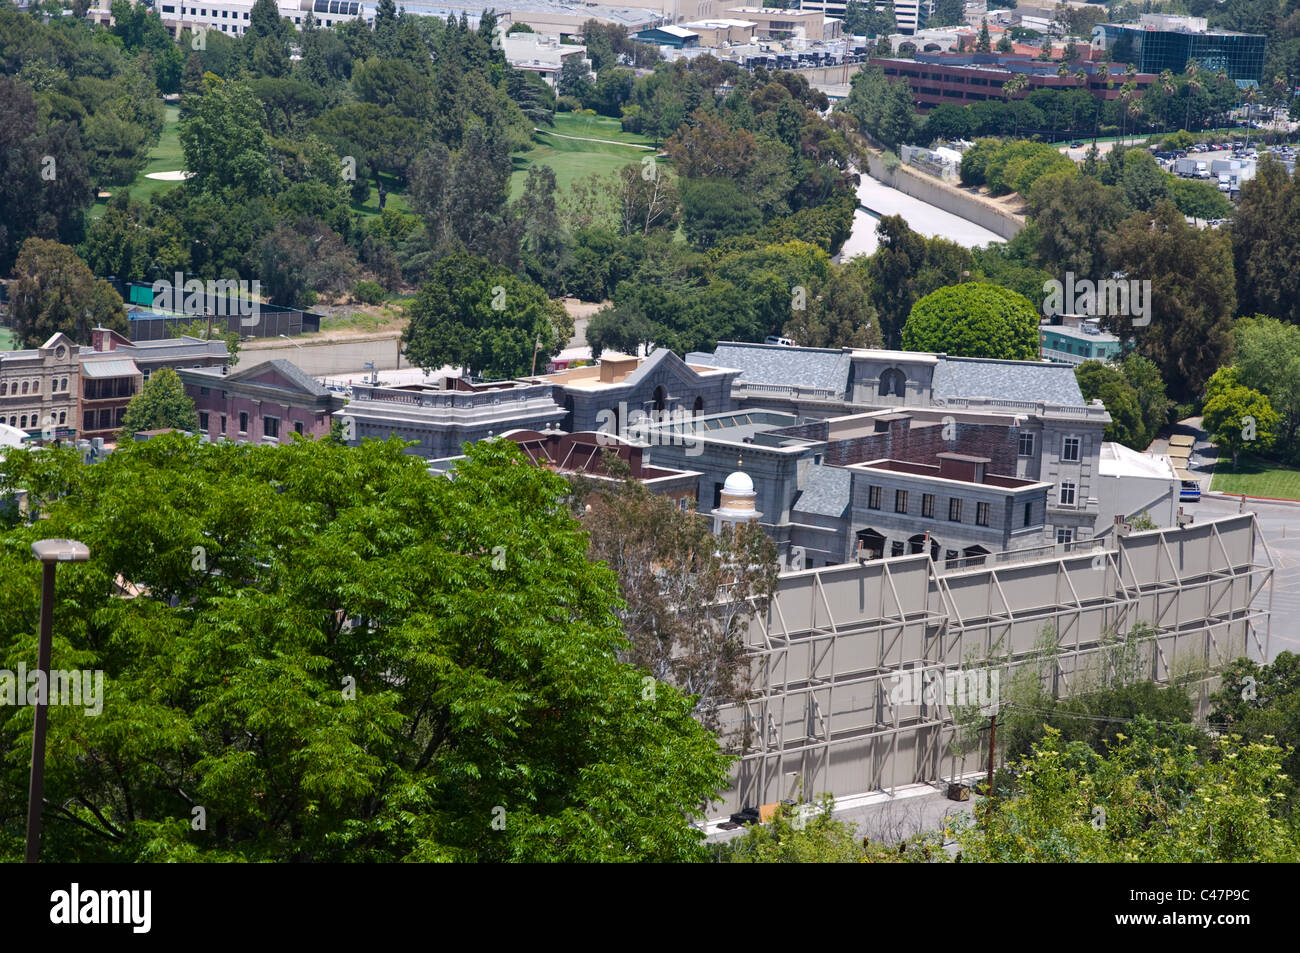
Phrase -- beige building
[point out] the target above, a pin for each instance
(38, 388)
(774, 23)
(724, 32)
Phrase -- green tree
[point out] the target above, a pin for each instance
(1101, 381)
(1239, 418)
(225, 143)
(1143, 376)
(340, 657)
(486, 319)
(687, 603)
(1262, 704)
(54, 291)
(982, 42)
(162, 403)
(714, 209)
(1074, 215)
(1141, 802)
(1267, 215)
(1191, 300)
(1267, 359)
(974, 319)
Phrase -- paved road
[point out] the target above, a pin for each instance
(928, 220)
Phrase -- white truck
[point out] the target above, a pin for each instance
(1190, 167)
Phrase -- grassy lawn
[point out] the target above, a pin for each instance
(574, 159)
(597, 127)
(7, 341)
(1256, 477)
(165, 157)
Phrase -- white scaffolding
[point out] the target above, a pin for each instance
(830, 647)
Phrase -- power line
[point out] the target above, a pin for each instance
(1114, 719)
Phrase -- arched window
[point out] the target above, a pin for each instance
(661, 398)
(65, 383)
(24, 423)
(699, 406)
(36, 387)
(4, 388)
(24, 387)
(13, 421)
(63, 416)
(893, 383)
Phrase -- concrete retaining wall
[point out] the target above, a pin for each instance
(325, 358)
(947, 197)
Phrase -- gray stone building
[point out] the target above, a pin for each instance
(955, 508)
(611, 395)
(1057, 434)
(441, 418)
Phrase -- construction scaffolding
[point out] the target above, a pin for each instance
(826, 714)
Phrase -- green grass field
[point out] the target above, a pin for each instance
(1256, 477)
(165, 157)
(573, 158)
(7, 342)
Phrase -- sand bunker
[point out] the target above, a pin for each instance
(168, 176)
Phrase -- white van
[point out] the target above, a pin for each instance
(783, 342)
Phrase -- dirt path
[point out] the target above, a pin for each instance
(608, 142)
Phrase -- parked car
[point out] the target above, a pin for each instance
(1078, 144)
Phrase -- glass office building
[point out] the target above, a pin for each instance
(1240, 55)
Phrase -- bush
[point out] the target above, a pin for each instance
(568, 104)
(974, 320)
(368, 292)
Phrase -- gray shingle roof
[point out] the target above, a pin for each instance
(1006, 380)
(825, 492)
(776, 364)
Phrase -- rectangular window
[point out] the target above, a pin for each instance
(954, 510)
(203, 422)
(1065, 535)
(1029, 514)
(1067, 494)
(1070, 449)
(896, 548)
(88, 420)
(223, 425)
(1026, 445)
(927, 505)
(271, 427)
(297, 428)
(981, 514)
(243, 421)
(900, 501)
(203, 392)
(873, 498)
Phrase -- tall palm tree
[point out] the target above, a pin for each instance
(1062, 71)
(1193, 87)
(1103, 74)
(1010, 89)
(1080, 77)
(1167, 88)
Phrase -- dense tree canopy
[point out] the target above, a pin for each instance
(974, 320)
(366, 662)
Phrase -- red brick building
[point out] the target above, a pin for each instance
(264, 403)
(962, 79)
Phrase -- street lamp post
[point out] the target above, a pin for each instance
(297, 345)
(50, 552)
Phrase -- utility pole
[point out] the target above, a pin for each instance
(993, 746)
